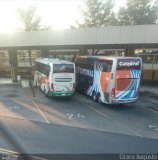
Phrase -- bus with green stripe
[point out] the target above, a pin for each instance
(55, 77)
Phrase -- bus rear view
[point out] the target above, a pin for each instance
(127, 80)
(63, 78)
(55, 77)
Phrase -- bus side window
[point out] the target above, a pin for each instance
(40, 67)
(46, 70)
(106, 65)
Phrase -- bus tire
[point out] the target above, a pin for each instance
(94, 96)
(99, 99)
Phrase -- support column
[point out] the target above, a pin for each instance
(14, 64)
(30, 57)
(83, 51)
(45, 52)
(1, 61)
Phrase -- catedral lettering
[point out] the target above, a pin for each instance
(129, 63)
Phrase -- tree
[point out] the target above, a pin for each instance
(97, 13)
(31, 21)
(138, 12)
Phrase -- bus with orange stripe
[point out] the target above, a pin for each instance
(55, 77)
(111, 80)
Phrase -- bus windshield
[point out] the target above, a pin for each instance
(63, 68)
(128, 64)
(105, 65)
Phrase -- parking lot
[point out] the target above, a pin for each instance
(33, 123)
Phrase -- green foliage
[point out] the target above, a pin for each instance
(138, 12)
(100, 13)
(30, 20)
(97, 13)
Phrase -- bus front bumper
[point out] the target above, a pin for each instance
(60, 94)
(124, 101)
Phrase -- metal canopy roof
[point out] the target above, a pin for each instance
(140, 34)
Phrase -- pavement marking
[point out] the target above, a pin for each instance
(70, 116)
(137, 134)
(152, 110)
(41, 113)
(7, 151)
(73, 116)
(152, 126)
(92, 108)
(101, 113)
(37, 158)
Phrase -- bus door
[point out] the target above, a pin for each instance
(127, 79)
(102, 74)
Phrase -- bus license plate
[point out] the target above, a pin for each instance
(63, 94)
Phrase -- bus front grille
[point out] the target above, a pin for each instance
(63, 79)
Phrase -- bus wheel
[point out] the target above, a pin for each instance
(99, 99)
(94, 96)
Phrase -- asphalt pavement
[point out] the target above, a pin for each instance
(33, 123)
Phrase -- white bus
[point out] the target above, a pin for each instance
(55, 77)
(110, 80)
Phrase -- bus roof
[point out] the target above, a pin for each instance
(52, 61)
(106, 57)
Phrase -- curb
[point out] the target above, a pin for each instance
(10, 84)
